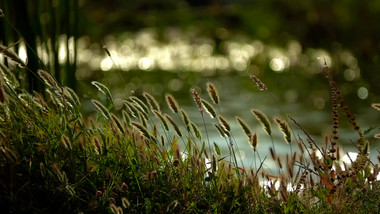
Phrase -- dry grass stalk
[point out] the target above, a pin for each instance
(284, 127)
(213, 93)
(172, 103)
(262, 118)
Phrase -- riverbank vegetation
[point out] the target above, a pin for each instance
(142, 159)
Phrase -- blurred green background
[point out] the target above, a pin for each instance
(169, 46)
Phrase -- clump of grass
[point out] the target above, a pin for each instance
(130, 160)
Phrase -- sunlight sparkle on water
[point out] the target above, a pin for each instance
(277, 65)
(106, 64)
(22, 52)
(146, 64)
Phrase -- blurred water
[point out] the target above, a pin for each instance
(134, 62)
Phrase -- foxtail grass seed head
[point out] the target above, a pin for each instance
(186, 120)
(140, 104)
(73, 96)
(244, 126)
(125, 202)
(196, 131)
(220, 130)
(376, 106)
(98, 146)
(272, 154)
(284, 127)
(12, 56)
(142, 129)
(126, 117)
(224, 124)
(102, 88)
(118, 123)
(153, 104)
(114, 208)
(213, 93)
(197, 100)
(254, 141)
(176, 128)
(66, 142)
(209, 108)
(258, 82)
(262, 118)
(101, 108)
(162, 119)
(49, 80)
(132, 109)
(172, 103)
(42, 169)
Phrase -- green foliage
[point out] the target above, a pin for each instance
(54, 160)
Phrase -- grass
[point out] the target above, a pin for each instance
(55, 160)
(143, 159)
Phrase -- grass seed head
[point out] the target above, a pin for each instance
(172, 103)
(213, 93)
(284, 127)
(153, 104)
(262, 118)
(254, 141)
(244, 126)
(175, 126)
(224, 124)
(209, 108)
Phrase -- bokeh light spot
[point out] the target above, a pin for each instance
(145, 64)
(277, 65)
(363, 93)
(106, 64)
(349, 74)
